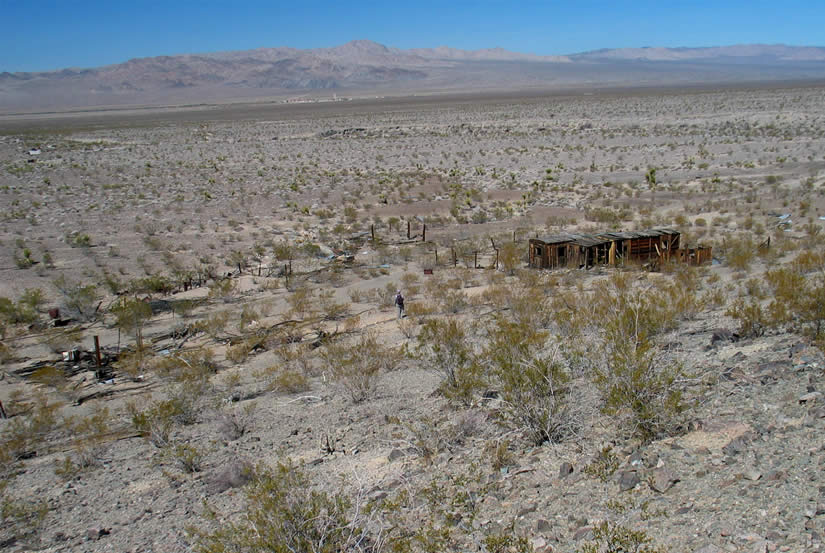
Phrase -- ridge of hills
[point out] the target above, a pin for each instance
(366, 67)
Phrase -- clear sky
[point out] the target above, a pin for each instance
(51, 34)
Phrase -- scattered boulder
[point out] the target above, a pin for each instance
(661, 480)
(810, 397)
(736, 445)
(97, 532)
(628, 479)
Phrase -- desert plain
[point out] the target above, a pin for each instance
(237, 265)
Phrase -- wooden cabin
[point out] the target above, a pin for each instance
(612, 248)
(642, 245)
(568, 250)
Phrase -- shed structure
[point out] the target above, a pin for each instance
(611, 248)
(642, 245)
(563, 250)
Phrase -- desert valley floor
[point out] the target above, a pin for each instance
(237, 264)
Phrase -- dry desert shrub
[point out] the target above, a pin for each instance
(533, 384)
(291, 373)
(238, 353)
(82, 301)
(444, 346)
(193, 365)
(158, 420)
(357, 364)
(610, 337)
(237, 473)
(234, 422)
(408, 327)
(21, 521)
(331, 310)
(62, 339)
(285, 514)
(188, 458)
(90, 435)
(610, 537)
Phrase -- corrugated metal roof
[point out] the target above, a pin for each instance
(588, 240)
(559, 238)
(585, 240)
(629, 235)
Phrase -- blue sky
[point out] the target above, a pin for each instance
(52, 34)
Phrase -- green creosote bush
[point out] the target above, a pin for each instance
(499, 453)
(799, 298)
(89, 441)
(510, 257)
(188, 458)
(533, 385)
(603, 465)
(239, 352)
(301, 302)
(444, 347)
(20, 521)
(131, 315)
(285, 379)
(332, 310)
(751, 316)
(26, 432)
(609, 537)
(224, 290)
(356, 364)
(739, 253)
(24, 310)
(507, 543)
(285, 514)
(637, 384)
(81, 301)
(213, 325)
(158, 420)
(25, 261)
(193, 366)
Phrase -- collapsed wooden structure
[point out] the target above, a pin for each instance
(613, 248)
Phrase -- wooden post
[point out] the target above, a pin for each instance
(3, 414)
(408, 230)
(455, 257)
(424, 233)
(514, 236)
(436, 257)
(475, 260)
(372, 232)
(97, 351)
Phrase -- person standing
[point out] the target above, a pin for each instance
(399, 303)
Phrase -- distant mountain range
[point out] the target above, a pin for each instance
(362, 66)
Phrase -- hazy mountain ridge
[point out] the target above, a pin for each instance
(364, 65)
(755, 52)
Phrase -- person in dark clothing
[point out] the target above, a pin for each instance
(399, 303)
